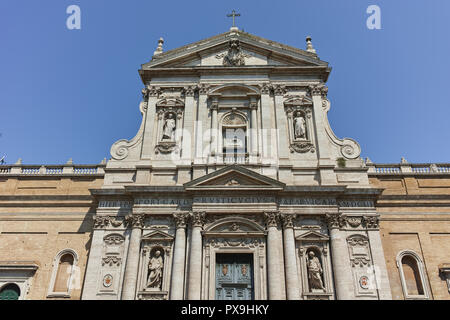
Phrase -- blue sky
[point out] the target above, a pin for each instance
(73, 93)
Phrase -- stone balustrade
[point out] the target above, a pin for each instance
(408, 168)
(52, 170)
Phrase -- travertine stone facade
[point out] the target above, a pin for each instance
(234, 187)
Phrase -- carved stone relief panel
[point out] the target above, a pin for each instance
(362, 266)
(112, 263)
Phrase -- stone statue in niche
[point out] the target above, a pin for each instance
(314, 272)
(169, 127)
(299, 126)
(155, 268)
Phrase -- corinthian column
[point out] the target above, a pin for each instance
(275, 270)
(292, 280)
(340, 258)
(195, 256)
(131, 270)
(177, 283)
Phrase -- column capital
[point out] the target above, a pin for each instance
(265, 88)
(198, 218)
(279, 90)
(180, 219)
(145, 92)
(371, 222)
(271, 218)
(101, 222)
(189, 91)
(287, 220)
(135, 221)
(334, 220)
(318, 90)
(203, 88)
(153, 91)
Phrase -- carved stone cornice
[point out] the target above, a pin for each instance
(318, 90)
(334, 221)
(372, 222)
(198, 218)
(271, 218)
(279, 90)
(180, 219)
(135, 220)
(288, 220)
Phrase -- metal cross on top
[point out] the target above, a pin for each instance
(234, 14)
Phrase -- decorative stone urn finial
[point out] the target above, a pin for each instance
(159, 49)
(19, 161)
(70, 161)
(309, 45)
(403, 161)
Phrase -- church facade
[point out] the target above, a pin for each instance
(234, 187)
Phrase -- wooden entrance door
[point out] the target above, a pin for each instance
(234, 277)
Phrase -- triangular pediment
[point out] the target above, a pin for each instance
(312, 236)
(157, 235)
(256, 51)
(234, 177)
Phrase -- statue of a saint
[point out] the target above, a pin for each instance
(169, 128)
(299, 126)
(155, 268)
(314, 272)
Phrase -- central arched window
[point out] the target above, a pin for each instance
(234, 137)
(412, 275)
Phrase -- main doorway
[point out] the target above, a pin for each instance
(234, 276)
